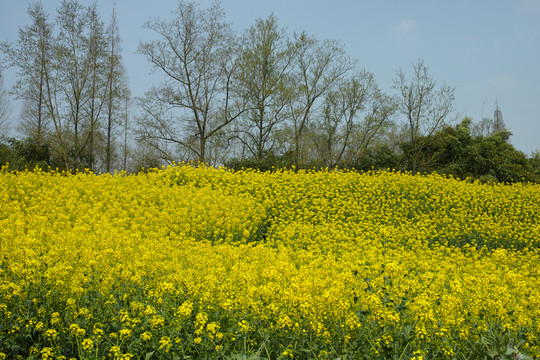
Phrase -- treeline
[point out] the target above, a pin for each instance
(261, 98)
(73, 86)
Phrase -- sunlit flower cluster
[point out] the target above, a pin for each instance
(198, 261)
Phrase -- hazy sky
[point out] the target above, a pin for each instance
(489, 50)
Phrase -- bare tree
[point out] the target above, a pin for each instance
(265, 82)
(76, 72)
(483, 128)
(498, 123)
(318, 65)
(32, 55)
(160, 130)
(425, 107)
(355, 108)
(369, 131)
(126, 129)
(117, 93)
(95, 89)
(97, 86)
(196, 55)
(62, 79)
(5, 110)
(489, 126)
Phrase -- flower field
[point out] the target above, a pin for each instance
(196, 263)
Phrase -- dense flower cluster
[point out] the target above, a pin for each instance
(204, 262)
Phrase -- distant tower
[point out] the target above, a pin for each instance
(498, 123)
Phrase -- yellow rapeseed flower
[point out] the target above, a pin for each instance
(322, 255)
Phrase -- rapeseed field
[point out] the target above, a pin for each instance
(195, 262)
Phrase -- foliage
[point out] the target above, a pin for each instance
(268, 163)
(455, 151)
(198, 262)
(380, 157)
(534, 161)
(25, 154)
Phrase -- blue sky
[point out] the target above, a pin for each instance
(489, 50)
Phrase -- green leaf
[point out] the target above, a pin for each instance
(149, 355)
(492, 353)
(484, 341)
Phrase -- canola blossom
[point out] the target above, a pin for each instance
(200, 262)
